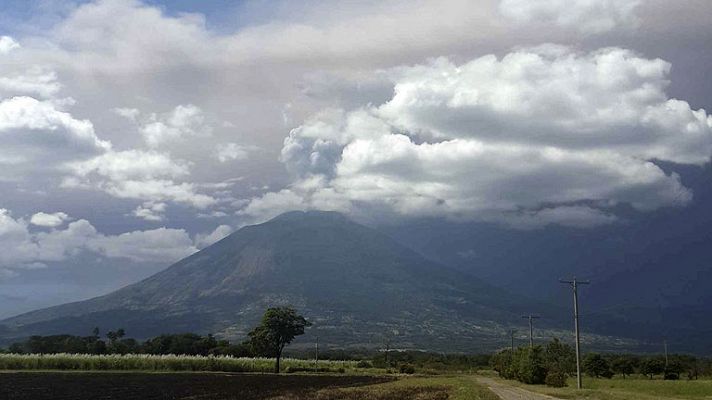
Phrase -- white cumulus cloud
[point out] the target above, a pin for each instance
(51, 220)
(26, 250)
(33, 81)
(32, 131)
(150, 211)
(542, 135)
(184, 121)
(7, 44)
(137, 174)
(205, 240)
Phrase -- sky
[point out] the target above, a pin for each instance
(134, 133)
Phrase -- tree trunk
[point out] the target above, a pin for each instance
(279, 356)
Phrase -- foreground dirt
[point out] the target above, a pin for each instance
(168, 386)
(412, 393)
(507, 392)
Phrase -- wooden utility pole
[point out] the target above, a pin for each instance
(574, 284)
(388, 350)
(511, 336)
(666, 354)
(531, 328)
(316, 355)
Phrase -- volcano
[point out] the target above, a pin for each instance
(356, 285)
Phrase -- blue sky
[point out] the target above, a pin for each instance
(220, 15)
(20, 15)
(137, 132)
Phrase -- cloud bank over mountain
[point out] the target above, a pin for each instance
(128, 117)
(537, 134)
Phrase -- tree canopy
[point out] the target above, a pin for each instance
(279, 326)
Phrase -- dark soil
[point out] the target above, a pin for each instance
(165, 386)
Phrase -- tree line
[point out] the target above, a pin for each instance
(553, 363)
(184, 343)
(278, 327)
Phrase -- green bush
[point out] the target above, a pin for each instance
(560, 356)
(671, 376)
(364, 364)
(531, 366)
(555, 379)
(506, 363)
(407, 369)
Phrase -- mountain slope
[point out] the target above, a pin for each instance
(651, 273)
(353, 282)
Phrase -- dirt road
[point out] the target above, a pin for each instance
(507, 392)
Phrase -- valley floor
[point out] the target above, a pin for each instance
(219, 386)
(45, 385)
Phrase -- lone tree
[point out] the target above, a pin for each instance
(279, 326)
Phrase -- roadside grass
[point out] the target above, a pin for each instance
(636, 387)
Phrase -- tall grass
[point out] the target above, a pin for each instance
(634, 387)
(146, 362)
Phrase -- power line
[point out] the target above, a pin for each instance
(574, 285)
(531, 327)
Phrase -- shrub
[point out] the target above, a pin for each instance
(671, 376)
(673, 370)
(532, 368)
(555, 379)
(560, 357)
(407, 369)
(506, 363)
(364, 364)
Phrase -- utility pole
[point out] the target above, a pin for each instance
(531, 328)
(574, 284)
(387, 344)
(316, 355)
(511, 336)
(666, 354)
